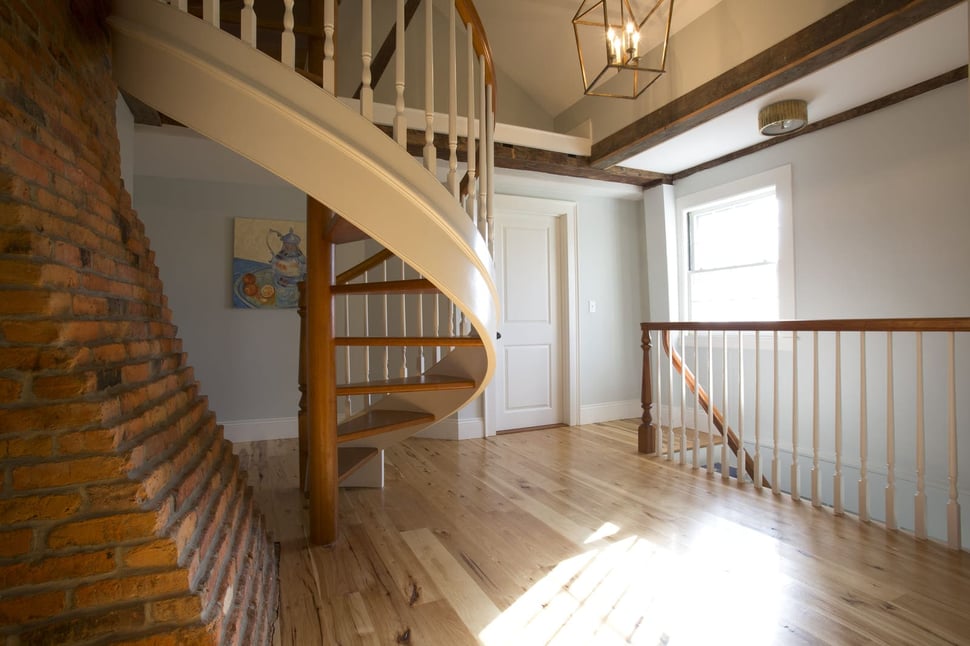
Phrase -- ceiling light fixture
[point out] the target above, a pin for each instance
(630, 54)
(783, 117)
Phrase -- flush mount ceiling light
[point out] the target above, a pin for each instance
(783, 117)
(622, 45)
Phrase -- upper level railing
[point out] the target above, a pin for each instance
(876, 401)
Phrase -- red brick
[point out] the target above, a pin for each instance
(120, 496)
(57, 568)
(21, 610)
(24, 166)
(26, 243)
(109, 530)
(136, 373)
(89, 305)
(68, 472)
(23, 509)
(37, 446)
(111, 591)
(51, 417)
(18, 358)
(110, 353)
(156, 554)
(22, 302)
(10, 390)
(195, 635)
(63, 358)
(84, 628)
(43, 332)
(180, 610)
(21, 272)
(94, 441)
(16, 542)
(64, 386)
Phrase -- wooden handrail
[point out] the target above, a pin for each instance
(469, 16)
(942, 324)
(719, 422)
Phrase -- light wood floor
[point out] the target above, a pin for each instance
(568, 536)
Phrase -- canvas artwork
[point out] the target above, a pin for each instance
(268, 262)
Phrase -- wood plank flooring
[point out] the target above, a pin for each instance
(568, 536)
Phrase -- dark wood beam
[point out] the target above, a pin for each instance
(856, 25)
(946, 78)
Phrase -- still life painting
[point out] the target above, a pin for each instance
(268, 263)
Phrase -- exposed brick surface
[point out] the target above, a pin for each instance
(123, 516)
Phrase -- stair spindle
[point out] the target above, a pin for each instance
(919, 507)
(400, 121)
(953, 529)
(682, 459)
(404, 323)
(247, 23)
(483, 178)
(890, 438)
(470, 130)
(210, 12)
(429, 150)
(695, 457)
(348, 405)
(794, 418)
(863, 433)
(387, 316)
(329, 64)
(710, 412)
(366, 92)
(288, 39)
(181, 5)
(452, 103)
(775, 458)
(670, 403)
(837, 476)
(756, 477)
(741, 453)
(490, 168)
(816, 472)
(725, 467)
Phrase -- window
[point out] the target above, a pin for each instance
(736, 251)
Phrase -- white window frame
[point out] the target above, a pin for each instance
(778, 178)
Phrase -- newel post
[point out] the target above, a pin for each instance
(646, 433)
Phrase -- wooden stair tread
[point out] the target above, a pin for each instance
(351, 458)
(406, 384)
(376, 422)
(410, 286)
(463, 341)
(343, 232)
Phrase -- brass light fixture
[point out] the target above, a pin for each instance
(783, 117)
(620, 53)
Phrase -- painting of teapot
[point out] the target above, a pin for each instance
(268, 263)
(289, 263)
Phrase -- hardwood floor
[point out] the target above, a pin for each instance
(568, 536)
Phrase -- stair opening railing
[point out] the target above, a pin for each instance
(819, 406)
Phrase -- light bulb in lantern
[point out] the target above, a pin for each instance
(636, 44)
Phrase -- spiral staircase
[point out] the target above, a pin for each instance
(404, 336)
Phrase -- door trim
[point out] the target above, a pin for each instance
(569, 299)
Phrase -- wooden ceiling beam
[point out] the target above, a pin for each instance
(856, 25)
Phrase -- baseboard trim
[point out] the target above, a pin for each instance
(452, 428)
(255, 430)
(607, 411)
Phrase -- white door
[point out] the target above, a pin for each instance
(529, 375)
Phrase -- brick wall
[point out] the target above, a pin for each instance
(123, 515)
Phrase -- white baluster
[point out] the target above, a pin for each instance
(210, 12)
(387, 315)
(742, 459)
(775, 460)
(919, 510)
(366, 45)
(658, 385)
(756, 466)
(400, 121)
(890, 438)
(404, 323)
(437, 326)
(367, 333)
(695, 458)
(670, 398)
(683, 397)
(863, 433)
(837, 476)
(348, 404)
(483, 177)
(953, 503)
(421, 364)
(182, 5)
(725, 467)
(429, 151)
(794, 417)
(452, 103)
(288, 40)
(816, 474)
(710, 403)
(329, 64)
(247, 23)
(490, 167)
(470, 130)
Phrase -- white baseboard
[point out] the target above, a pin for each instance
(452, 428)
(607, 411)
(255, 430)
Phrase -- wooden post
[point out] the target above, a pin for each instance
(646, 434)
(321, 377)
(301, 370)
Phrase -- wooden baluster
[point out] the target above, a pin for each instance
(919, 510)
(288, 40)
(683, 399)
(210, 12)
(837, 476)
(452, 103)
(710, 408)
(794, 417)
(775, 459)
(321, 380)
(670, 399)
(470, 129)
(247, 23)
(725, 467)
(863, 433)
(890, 438)
(490, 167)
(329, 64)
(400, 121)
(757, 412)
(646, 435)
(742, 460)
(429, 151)
(366, 45)
(483, 177)
(816, 472)
(695, 458)
(953, 529)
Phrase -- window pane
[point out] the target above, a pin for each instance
(737, 234)
(739, 294)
